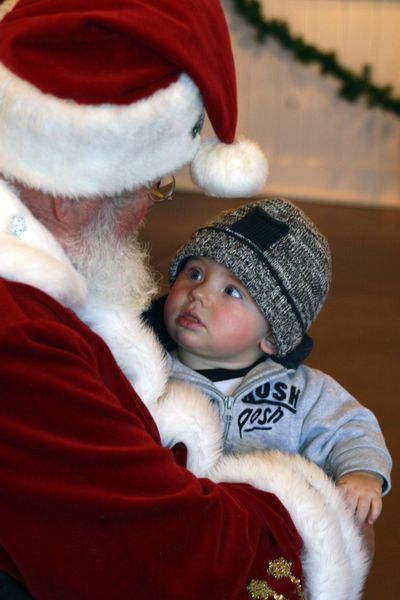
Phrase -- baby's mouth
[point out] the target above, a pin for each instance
(189, 319)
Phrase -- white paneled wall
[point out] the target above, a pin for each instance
(319, 146)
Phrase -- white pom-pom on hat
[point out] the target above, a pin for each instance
(226, 170)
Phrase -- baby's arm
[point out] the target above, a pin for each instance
(363, 493)
(341, 435)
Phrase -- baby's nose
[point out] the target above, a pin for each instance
(201, 291)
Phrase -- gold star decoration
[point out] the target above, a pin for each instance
(278, 568)
(260, 590)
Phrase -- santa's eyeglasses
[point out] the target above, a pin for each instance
(163, 190)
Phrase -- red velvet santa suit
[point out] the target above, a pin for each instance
(91, 505)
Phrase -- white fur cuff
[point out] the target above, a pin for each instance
(334, 561)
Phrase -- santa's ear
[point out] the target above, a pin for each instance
(62, 207)
(268, 345)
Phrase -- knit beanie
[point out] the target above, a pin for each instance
(101, 97)
(278, 254)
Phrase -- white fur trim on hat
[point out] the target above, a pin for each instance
(239, 169)
(60, 147)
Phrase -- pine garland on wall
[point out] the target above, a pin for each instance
(353, 87)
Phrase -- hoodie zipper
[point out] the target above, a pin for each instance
(228, 401)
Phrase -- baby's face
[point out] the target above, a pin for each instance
(213, 319)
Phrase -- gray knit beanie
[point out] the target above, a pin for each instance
(278, 254)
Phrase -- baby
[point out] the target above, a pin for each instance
(245, 290)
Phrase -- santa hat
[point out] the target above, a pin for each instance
(99, 97)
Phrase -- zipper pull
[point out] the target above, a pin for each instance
(228, 405)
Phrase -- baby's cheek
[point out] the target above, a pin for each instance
(236, 333)
(172, 302)
(170, 309)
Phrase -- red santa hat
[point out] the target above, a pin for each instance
(98, 97)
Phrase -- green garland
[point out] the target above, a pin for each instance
(353, 86)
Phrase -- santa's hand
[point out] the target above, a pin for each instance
(363, 493)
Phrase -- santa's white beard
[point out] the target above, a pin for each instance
(116, 269)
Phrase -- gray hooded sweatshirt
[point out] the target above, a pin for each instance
(298, 410)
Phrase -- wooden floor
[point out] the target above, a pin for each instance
(356, 336)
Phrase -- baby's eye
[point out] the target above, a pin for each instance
(232, 291)
(195, 274)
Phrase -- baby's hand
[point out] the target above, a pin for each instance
(363, 493)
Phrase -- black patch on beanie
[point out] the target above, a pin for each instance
(260, 228)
